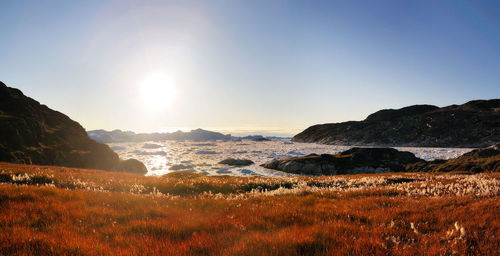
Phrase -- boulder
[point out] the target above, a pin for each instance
(132, 166)
(236, 162)
(352, 161)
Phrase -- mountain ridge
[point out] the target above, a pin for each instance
(199, 134)
(117, 135)
(473, 124)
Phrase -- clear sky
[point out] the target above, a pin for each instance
(247, 66)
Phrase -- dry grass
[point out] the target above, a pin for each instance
(64, 211)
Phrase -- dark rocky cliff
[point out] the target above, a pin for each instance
(32, 133)
(473, 124)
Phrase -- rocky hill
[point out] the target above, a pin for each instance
(473, 124)
(193, 135)
(35, 134)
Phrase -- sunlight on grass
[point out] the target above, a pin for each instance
(56, 210)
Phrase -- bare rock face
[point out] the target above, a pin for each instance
(473, 124)
(352, 161)
(236, 162)
(32, 133)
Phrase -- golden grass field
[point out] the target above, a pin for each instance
(46, 210)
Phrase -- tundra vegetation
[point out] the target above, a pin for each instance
(66, 211)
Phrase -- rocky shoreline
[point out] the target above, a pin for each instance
(379, 160)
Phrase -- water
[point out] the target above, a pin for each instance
(161, 157)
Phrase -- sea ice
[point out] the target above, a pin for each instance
(118, 148)
(223, 171)
(246, 171)
(295, 153)
(204, 152)
(151, 146)
(176, 154)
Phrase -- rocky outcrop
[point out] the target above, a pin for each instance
(236, 162)
(352, 161)
(479, 160)
(32, 133)
(473, 124)
(132, 166)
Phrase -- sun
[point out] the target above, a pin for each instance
(157, 91)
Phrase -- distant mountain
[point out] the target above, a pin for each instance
(128, 136)
(32, 133)
(255, 138)
(104, 136)
(473, 124)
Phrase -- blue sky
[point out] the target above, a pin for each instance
(248, 66)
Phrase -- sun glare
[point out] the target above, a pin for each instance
(157, 91)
